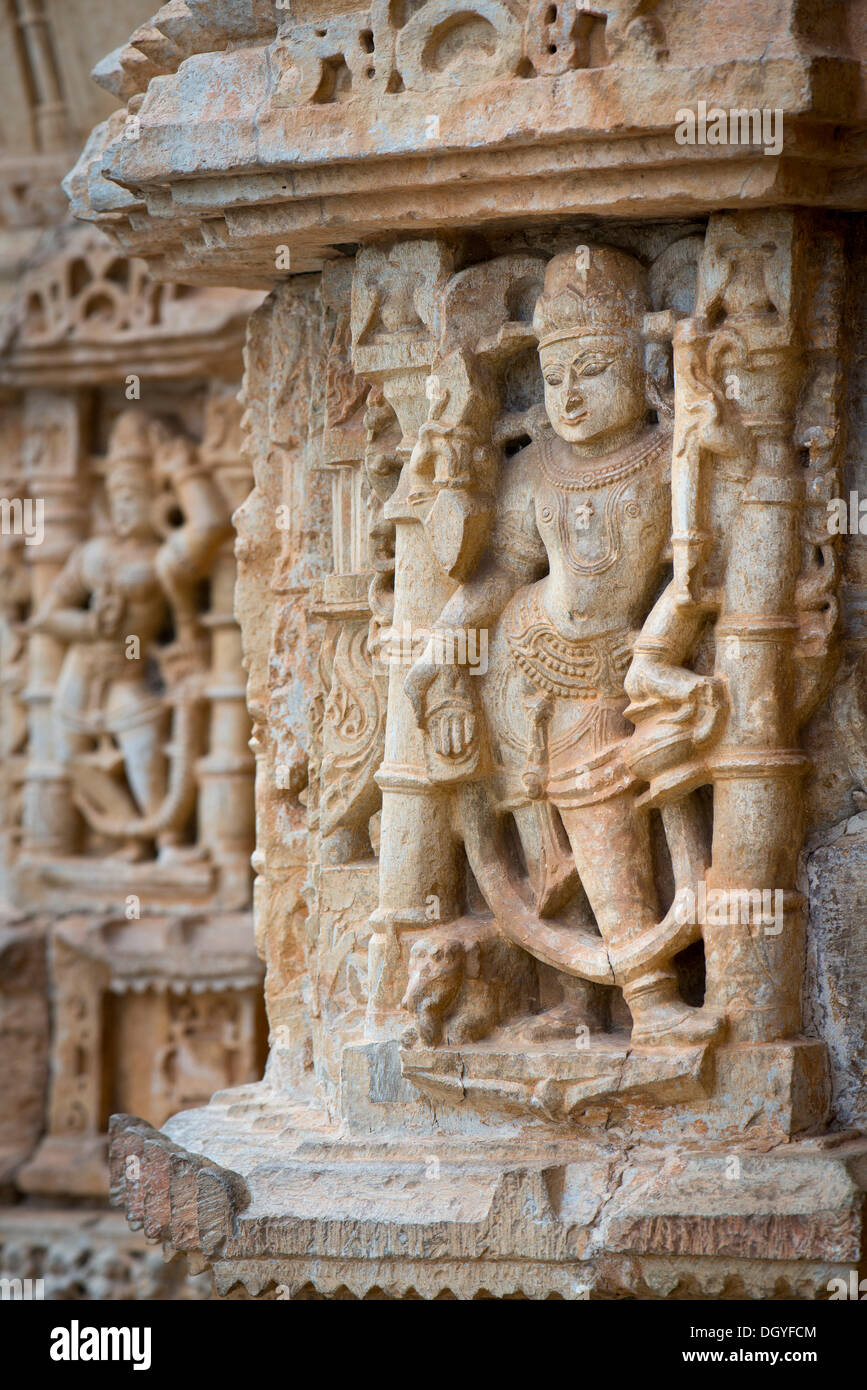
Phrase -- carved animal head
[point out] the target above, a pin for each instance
(436, 973)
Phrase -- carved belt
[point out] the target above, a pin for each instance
(583, 765)
(572, 668)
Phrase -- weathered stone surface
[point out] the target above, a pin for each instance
(579, 1219)
(24, 1030)
(837, 966)
(529, 877)
(355, 124)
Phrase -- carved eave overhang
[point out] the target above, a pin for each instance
(169, 954)
(85, 314)
(227, 153)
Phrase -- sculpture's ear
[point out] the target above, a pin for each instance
(473, 963)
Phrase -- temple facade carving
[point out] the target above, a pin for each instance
(531, 757)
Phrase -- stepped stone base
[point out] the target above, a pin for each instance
(676, 1093)
(277, 1200)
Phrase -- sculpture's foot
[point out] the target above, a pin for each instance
(180, 854)
(567, 1020)
(661, 1019)
(677, 1025)
(130, 852)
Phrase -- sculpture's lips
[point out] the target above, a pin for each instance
(573, 417)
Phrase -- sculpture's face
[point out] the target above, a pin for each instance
(594, 387)
(130, 507)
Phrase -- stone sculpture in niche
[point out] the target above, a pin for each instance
(127, 780)
(112, 605)
(608, 561)
(576, 560)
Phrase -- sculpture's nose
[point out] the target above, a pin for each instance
(573, 388)
(574, 402)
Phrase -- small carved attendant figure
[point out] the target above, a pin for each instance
(116, 596)
(576, 561)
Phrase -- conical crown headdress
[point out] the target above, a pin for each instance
(130, 447)
(609, 295)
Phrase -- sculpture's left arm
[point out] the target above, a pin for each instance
(187, 554)
(668, 636)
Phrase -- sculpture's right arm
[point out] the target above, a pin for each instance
(514, 556)
(61, 613)
(480, 601)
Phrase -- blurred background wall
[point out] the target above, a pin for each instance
(129, 978)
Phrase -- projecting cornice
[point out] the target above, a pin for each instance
(341, 126)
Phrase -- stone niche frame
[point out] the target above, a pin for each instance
(403, 198)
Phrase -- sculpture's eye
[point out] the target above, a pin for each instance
(554, 378)
(596, 368)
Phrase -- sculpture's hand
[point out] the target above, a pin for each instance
(701, 706)
(173, 456)
(649, 678)
(450, 722)
(451, 728)
(672, 697)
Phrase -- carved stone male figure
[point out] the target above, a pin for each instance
(112, 604)
(575, 564)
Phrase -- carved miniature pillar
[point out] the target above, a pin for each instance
(52, 119)
(55, 426)
(78, 1093)
(750, 280)
(226, 773)
(352, 698)
(280, 528)
(420, 877)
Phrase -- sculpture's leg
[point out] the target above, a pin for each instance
(68, 744)
(611, 844)
(145, 762)
(569, 1004)
(145, 766)
(70, 709)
